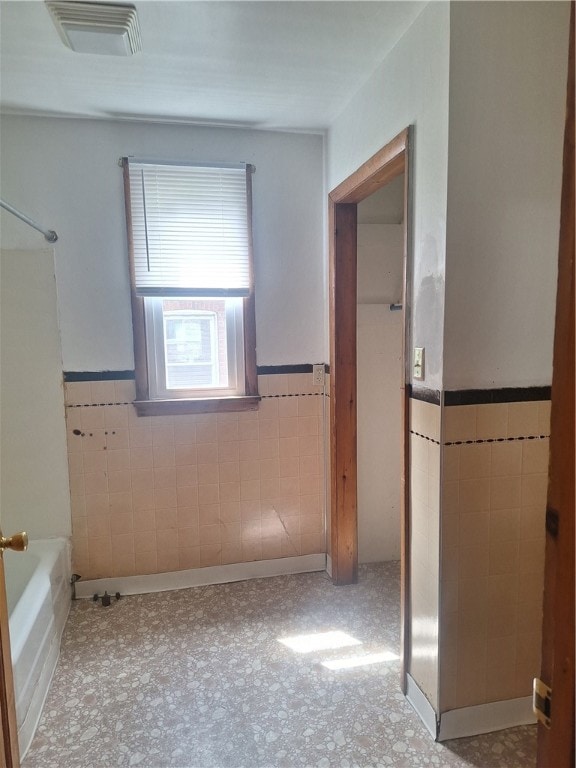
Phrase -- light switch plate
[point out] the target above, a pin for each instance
(418, 363)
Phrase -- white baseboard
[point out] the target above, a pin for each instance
(329, 565)
(423, 708)
(199, 577)
(485, 718)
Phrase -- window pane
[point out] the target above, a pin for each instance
(195, 348)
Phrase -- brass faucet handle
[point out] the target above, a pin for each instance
(18, 542)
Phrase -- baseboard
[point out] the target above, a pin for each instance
(423, 708)
(199, 577)
(485, 718)
(329, 565)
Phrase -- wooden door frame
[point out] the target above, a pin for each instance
(388, 163)
(9, 752)
(556, 743)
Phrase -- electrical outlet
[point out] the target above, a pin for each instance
(418, 363)
(318, 374)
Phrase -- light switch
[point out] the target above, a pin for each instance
(418, 363)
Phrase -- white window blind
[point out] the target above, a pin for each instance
(190, 229)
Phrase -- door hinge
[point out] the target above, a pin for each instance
(542, 702)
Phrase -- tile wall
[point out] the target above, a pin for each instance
(154, 494)
(495, 463)
(425, 423)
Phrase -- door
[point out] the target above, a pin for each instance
(556, 742)
(9, 755)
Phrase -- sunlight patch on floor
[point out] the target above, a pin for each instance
(319, 641)
(360, 661)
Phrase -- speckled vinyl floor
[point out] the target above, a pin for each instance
(198, 678)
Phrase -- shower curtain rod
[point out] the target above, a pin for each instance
(49, 234)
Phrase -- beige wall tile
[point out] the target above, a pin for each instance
(503, 590)
(535, 455)
(270, 448)
(120, 503)
(168, 560)
(145, 562)
(118, 460)
(450, 531)
(505, 493)
(533, 522)
(474, 495)
(492, 421)
(94, 461)
(124, 391)
(117, 438)
(450, 462)
(523, 419)
(504, 557)
(531, 555)
(418, 453)
(474, 529)
(473, 562)
(534, 490)
(184, 431)
(164, 477)
(505, 525)
(474, 461)
(148, 476)
(506, 458)
(92, 418)
(77, 393)
(138, 437)
(278, 384)
(501, 620)
(544, 417)
(102, 392)
(73, 418)
(459, 423)
(189, 557)
(115, 416)
(95, 482)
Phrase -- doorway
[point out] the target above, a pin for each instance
(380, 256)
(389, 163)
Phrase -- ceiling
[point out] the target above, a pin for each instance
(270, 65)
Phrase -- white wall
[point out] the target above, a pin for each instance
(508, 64)
(33, 462)
(380, 263)
(64, 173)
(409, 88)
(379, 395)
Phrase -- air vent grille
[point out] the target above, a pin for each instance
(98, 28)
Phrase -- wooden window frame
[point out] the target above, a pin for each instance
(147, 406)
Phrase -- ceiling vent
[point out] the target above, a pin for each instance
(101, 28)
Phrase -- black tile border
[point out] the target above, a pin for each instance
(481, 396)
(490, 396)
(262, 370)
(432, 396)
(98, 376)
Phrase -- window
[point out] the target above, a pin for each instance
(189, 238)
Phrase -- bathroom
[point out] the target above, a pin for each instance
(483, 317)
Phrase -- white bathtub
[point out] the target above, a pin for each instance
(38, 591)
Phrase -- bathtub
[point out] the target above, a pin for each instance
(38, 592)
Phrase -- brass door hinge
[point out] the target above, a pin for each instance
(542, 702)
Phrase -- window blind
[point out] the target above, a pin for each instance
(190, 229)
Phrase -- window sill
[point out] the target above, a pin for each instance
(211, 405)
